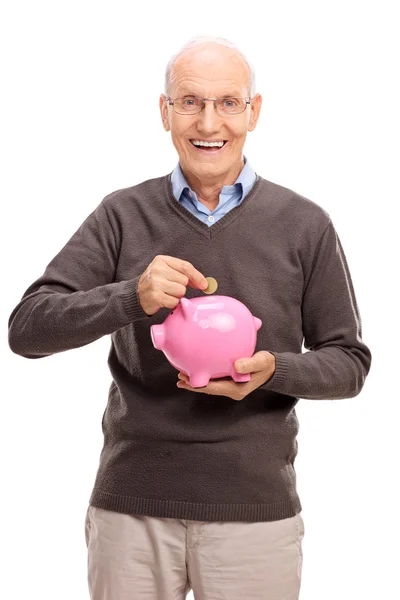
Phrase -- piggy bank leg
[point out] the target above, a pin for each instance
(199, 380)
(240, 377)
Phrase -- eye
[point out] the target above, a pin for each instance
(188, 100)
(233, 102)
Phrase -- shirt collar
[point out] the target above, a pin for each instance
(245, 180)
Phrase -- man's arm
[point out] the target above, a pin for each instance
(337, 361)
(76, 300)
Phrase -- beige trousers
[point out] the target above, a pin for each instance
(134, 557)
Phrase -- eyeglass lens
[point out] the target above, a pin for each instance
(193, 105)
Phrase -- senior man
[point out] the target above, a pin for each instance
(196, 488)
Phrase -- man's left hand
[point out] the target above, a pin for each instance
(261, 367)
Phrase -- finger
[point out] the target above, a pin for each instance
(196, 279)
(231, 390)
(175, 276)
(171, 288)
(182, 383)
(167, 301)
(216, 388)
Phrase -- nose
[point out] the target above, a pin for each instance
(208, 119)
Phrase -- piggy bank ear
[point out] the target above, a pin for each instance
(257, 323)
(187, 308)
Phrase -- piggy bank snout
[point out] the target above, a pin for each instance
(157, 333)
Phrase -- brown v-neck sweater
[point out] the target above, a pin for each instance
(174, 453)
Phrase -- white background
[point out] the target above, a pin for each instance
(80, 118)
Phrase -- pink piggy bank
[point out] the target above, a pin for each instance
(205, 336)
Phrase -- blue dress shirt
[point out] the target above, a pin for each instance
(230, 196)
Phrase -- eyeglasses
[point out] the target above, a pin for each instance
(191, 105)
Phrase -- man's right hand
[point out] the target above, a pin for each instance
(164, 283)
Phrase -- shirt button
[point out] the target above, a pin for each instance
(211, 219)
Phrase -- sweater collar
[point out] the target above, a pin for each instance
(225, 221)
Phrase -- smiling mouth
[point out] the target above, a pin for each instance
(209, 149)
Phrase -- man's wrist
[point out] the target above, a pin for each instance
(272, 372)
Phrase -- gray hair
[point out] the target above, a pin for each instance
(204, 39)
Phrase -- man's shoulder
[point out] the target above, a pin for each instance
(143, 191)
(290, 202)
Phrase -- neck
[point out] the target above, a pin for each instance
(208, 192)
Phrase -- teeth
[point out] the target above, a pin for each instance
(217, 144)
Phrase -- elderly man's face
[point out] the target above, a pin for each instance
(210, 71)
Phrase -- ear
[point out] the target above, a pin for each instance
(255, 108)
(164, 112)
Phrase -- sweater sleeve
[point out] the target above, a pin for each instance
(337, 361)
(76, 300)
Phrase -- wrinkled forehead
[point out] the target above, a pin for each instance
(219, 72)
(218, 89)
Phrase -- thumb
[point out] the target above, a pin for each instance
(256, 363)
(244, 365)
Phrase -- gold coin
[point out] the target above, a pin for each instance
(212, 285)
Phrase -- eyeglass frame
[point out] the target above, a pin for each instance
(171, 103)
